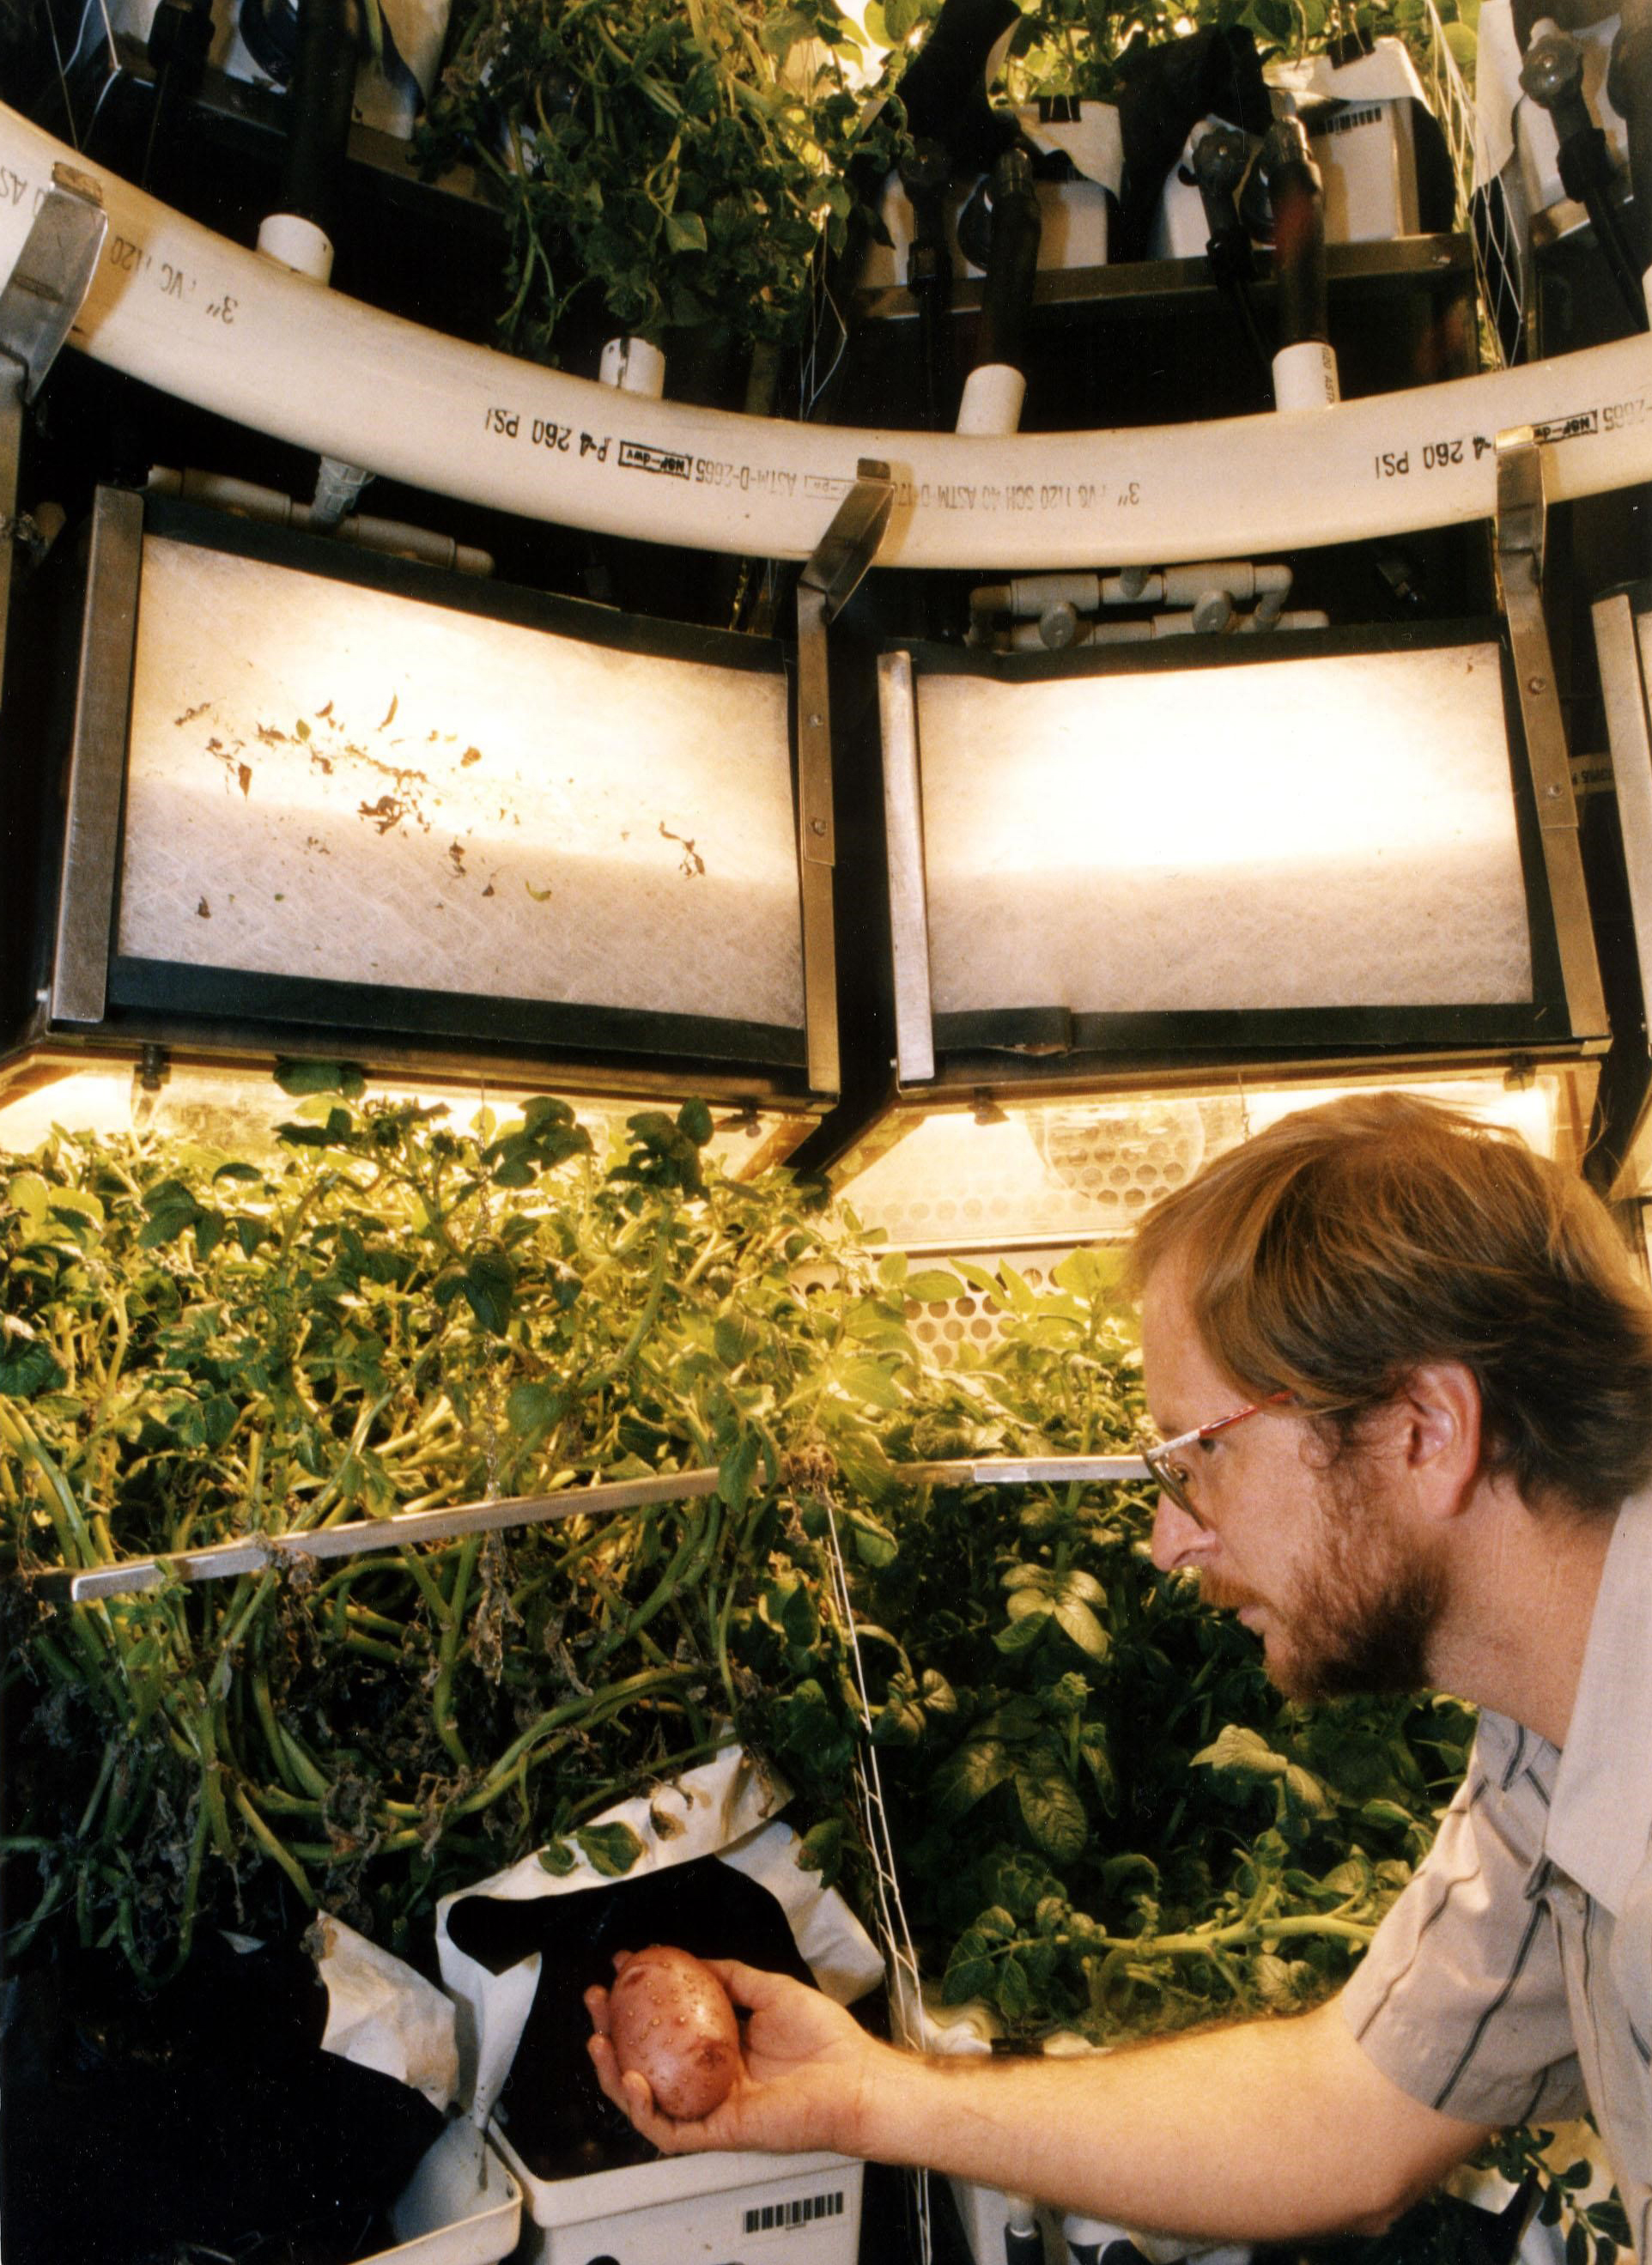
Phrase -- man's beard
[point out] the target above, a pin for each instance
(1359, 1617)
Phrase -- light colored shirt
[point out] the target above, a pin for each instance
(1512, 1980)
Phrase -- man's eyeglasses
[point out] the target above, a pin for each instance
(1172, 1475)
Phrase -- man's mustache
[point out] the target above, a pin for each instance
(1226, 1596)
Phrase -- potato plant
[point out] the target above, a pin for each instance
(385, 1315)
(1105, 1817)
(683, 167)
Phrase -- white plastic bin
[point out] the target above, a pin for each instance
(461, 2206)
(696, 2210)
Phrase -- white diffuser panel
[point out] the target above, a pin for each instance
(1313, 833)
(332, 781)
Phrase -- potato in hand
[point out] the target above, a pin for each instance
(670, 2020)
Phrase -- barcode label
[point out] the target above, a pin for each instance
(1344, 121)
(781, 2216)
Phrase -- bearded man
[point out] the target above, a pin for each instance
(1402, 1375)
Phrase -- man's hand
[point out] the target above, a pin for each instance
(806, 2067)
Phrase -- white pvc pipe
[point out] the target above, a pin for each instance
(633, 365)
(183, 310)
(1305, 376)
(994, 394)
(298, 244)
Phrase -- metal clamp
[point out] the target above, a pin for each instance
(1521, 526)
(46, 289)
(828, 580)
(43, 295)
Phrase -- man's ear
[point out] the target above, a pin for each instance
(1436, 1427)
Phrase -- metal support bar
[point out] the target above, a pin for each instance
(1629, 739)
(908, 898)
(255, 1552)
(37, 307)
(827, 581)
(97, 758)
(1522, 513)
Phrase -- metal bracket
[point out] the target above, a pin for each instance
(1521, 526)
(337, 491)
(827, 581)
(42, 296)
(47, 288)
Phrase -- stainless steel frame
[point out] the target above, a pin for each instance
(98, 762)
(1522, 514)
(827, 582)
(908, 916)
(38, 308)
(1629, 738)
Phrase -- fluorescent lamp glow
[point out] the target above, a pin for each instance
(1087, 1170)
(236, 1111)
(1318, 832)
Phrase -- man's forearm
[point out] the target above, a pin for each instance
(1266, 2130)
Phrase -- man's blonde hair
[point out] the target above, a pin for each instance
(1345, 1246)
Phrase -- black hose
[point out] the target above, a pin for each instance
(944, 92)
(1552, 76)
(318, 108)
(1629, 90)
(1295, 193)
(1012, 262)
(1220, 156)
(926, 173)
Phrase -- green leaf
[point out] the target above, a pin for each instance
(1025, 1630)
(969, 1972)
(170, 1209)
(28, 1193)
(332, 1133)
(345, 1077)
(874, 1544)
(821, 1850)
(1052, 1809)
(611, 1849)
(933, 1288)
(534, 1408)
(558, 1858)
(736, 1470)
(1080, 1626)
(685, 232)
(489, 1284)
(27, 1367)
(1243, 1751)
(968, 1776)
(1014, 1990)
(871, 1382)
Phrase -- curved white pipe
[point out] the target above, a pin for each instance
(186, 311)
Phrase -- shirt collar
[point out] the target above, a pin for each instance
(1600, 1823)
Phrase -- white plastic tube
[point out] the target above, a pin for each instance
(183, 310)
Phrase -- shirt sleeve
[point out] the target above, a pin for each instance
(1460, 2000)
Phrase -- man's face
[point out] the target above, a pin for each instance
(1309, 1554)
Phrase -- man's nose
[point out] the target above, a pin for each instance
(1177, 1539)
